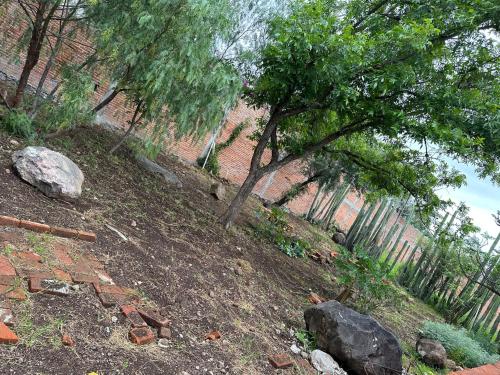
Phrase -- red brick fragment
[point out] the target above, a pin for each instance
(81, 278)
(280, 361)
(6, 335)
(133, 316)
(314, 298)
(28, 256)
(61, 253)
(141, 336)
(62, 275)
(35, 227)
(6, 268)
(64, 232)
(110, 299)
(107, 288)
(154, 319)
(67, 340)
(9, 221)
(12, 292)
(86, 236)
(214, 335)
(305, 367)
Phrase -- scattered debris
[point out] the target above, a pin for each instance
(67, 340)
(214, 335)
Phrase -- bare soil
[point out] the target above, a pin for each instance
(181, 259)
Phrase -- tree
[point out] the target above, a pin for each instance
(162, 56)
(401, 71)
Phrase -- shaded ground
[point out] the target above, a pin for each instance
(181, 259)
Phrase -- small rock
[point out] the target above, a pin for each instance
(67, 340)
(211, 294)
(239, 271)
(163, 343)
(164, 333)
(134, 223)
(295, 349)
(275, 308)
(218, 191)
(13, 142)
(325, 364)
(304, 354)
(114, 319)
(7, 171)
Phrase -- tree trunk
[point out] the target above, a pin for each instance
(236, 204)
(106, 100)
(297, 189)
(133, 123)
(40, 25)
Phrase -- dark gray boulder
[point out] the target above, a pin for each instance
(51, 172)
(339, 238)
(358, 342)
(432, 352)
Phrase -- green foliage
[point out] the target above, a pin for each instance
(306, 339)
(17, 122)
(161, 54)
(73, 106)
(365, 275)
(274, 226)
(458, 344)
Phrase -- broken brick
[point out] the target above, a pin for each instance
(141, 336)
(62, 275)
(214, 335)
(55, 287)
(314, 298)
(67, 340)
(133, 316)
(6, 335)
(103, 276)
(107, 288)
(9, 221)
(86, 236)
(64, 232)
(154, 319)
(280, 361)
(28, 256)
(112, 299)
(12, 292)
(82, 273)
(6, 268)
(35, 227)
(305, 367)
(61, 253)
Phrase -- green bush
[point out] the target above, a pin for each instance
(458, 344)
(359, 271)
(275, 227)
(18, 123)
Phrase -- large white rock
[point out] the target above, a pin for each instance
(325, 364)
(51, 172)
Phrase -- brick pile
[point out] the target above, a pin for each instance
(54, 272)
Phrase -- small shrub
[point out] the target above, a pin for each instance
(306, 339)
(275, 227)
(359, 271)
(18, 123)
(458, 344)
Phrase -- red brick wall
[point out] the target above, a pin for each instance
(234, 160)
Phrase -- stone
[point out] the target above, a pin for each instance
(339, 238)
(51, 172)
(6, 316)
(218, 190)
(295, 349)
(432, 352)
(214, 335)
(154, 168)
(164, 333)
(325, 364)
(67, 340)
(280, 361)
(163, 343)
(357, 341)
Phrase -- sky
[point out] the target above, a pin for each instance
(481, 195)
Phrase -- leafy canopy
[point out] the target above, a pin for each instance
(399, 72)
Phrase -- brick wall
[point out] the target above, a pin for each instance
(234, 160)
